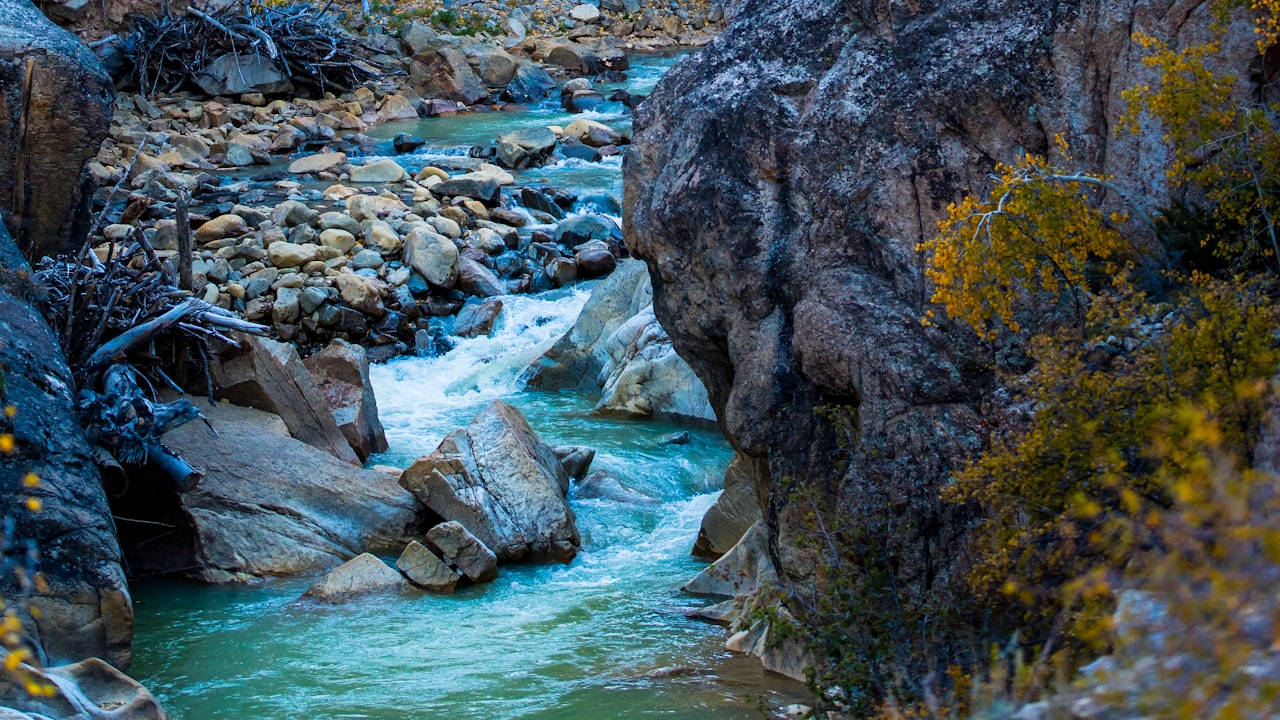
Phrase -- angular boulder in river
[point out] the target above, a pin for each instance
(734, 512)
(364, 574)
(529, 85)
(526, 148)
(269, 375)
(405, 143)
(578, 229)
(464, 551)
(476, 185)
(52, 133)
(424, 569)
(271, 505)
(477, 317)
(580, 59)
(744, 569)
(645, 378)
(590, 132)
(341, 373)
(581, 101)
(575, 459)
(496, 68)
(503, 484)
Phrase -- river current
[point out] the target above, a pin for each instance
(603, 637)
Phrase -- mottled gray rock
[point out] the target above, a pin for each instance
(744, 569)
(477, 317)
(503, 484)
(66, 119)
(231, 74)
(604, 485)
(271, 505)
(445, 73)
(526, 148)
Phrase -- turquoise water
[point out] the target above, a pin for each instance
(603, 637)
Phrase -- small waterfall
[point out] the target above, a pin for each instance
(477, 370)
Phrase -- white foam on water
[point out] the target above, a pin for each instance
(422, 399)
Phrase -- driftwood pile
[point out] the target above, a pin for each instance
(306, 44)
(127, 329)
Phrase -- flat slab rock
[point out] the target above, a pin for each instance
(501, 482)
(272, 505)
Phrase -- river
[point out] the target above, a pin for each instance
(603, 637)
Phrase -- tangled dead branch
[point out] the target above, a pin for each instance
(307, 44)
(123, 323)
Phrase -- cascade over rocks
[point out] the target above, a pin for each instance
(617, 349)
(503, 484)
(50, 133)
(87, 610)
(778, 185)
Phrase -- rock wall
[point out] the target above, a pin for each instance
(86, 611)
(55, 110)
(778, 185)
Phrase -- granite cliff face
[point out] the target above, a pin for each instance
(778, 186)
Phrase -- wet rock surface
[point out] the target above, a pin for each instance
(500, 482)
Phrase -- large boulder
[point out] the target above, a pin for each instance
(463, 551)
(86, 611)
(424, 569)
(746, 568)
(231, 74)
(268, 505)
(784, 253)
(581, 59)
(475, 185)
(362, 575)
(341, 373)
(50, 132)
(446, 74)
(733, 513)
(269, 375)
(501, 482)
(579, 229)
(530, 84)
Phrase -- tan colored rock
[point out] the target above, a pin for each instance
(424, 569)
(322, 162)
(90, 686)
(746, 568)
(362, 294)
(434, 257)
(341, 373)
(362, 575)
(223, 226)
(269, 375)
(382, 171)
(288, 255)
(371, 207)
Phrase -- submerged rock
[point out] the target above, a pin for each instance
(362, 575)
(503, 484)
(604, 485)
